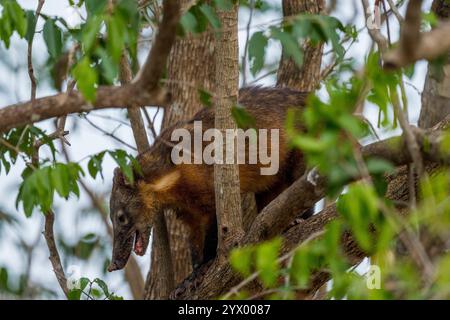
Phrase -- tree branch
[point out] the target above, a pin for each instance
(30, 55)
(53, 250)
(216, 278)
(142, 92)
(66, 103)
(154, 67)
(137, 123)
(413, 45)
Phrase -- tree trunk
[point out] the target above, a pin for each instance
(306, 77)
(226, 174)
(436, 93)
(190, 68)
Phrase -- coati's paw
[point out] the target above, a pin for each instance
(191, 282)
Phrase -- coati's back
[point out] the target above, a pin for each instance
(267, 106)
(191, 187)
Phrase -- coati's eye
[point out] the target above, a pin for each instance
(122, 218)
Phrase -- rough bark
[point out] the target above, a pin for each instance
(159, 282)
(226, 174)
(186, 74)
(306, 77)
(436, 93)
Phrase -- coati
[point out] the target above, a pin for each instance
(190, 187)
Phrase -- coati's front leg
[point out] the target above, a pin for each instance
(196, 244)
(202, 239)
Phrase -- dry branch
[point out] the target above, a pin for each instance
(413, 45)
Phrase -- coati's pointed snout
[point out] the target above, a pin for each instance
(113, 267)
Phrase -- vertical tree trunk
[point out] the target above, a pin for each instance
(160, 281)
(226, 175)
(187, 74)
(306, 77)
(133, 273)
(436, 93)
(190, 68)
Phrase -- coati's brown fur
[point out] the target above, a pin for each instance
(190, 187)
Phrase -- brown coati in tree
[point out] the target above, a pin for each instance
(190, 187)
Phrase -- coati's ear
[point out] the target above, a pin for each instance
(120, 179)
(166, 182)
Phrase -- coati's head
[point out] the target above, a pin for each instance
(133, 208)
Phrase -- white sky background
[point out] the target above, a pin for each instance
(85, 141)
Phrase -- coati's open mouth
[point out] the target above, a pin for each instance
(124, 243)
(141, 241)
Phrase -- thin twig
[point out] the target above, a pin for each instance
(247, 37)
(53, 250)
(109, 134)
(30, 56)
(396, 12)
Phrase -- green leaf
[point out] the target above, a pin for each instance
(290, 45)
(95, 164)
(87, 79)
(53, 38)
(211, 15)
(241, 260)
(60, 179)
(224, 4)
(95, 7)
(242, 117)
(359, 208)
(90, 32)
(300, 269)
(188, 22)
(31, 26)
(379, 166)
(108, 67)
(267, 261)
(116, 36)
(127, 163)
(38, 187)
(18, 17)
(205, 97)
(257, 51)
(74, 294)
(103, 286)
